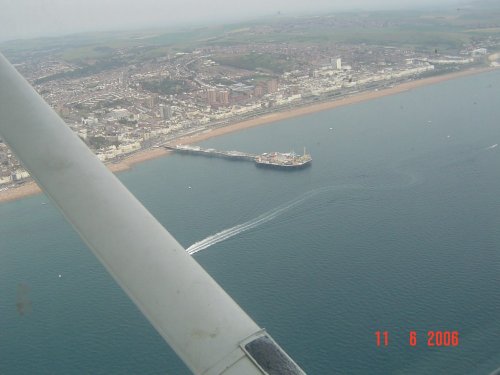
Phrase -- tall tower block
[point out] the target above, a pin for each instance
(339, 64)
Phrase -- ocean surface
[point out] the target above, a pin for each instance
(394, 228)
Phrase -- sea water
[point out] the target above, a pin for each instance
(394, 228)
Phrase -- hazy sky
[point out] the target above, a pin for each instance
(32, 18)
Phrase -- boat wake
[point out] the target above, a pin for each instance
(259, 220)
(280, 210)
(492, 147)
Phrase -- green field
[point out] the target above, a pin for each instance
(271, 63)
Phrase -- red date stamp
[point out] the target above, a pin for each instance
(431, 339)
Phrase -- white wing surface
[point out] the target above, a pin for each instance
(203, 325)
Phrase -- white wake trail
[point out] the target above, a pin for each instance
(253, 223)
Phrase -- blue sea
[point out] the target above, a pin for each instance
(394, 228)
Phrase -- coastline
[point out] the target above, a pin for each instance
(31, 188)
(313, 108)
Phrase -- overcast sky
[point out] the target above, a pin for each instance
(33, 18)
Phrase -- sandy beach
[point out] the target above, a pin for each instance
(30, 188)
(136, 158)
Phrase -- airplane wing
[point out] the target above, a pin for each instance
(203, 325)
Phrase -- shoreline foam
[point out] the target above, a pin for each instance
(31, 188)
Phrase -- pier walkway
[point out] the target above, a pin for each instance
(234, 155)
(273, 159)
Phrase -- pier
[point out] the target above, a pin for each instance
(274, 159)
(211, 152)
